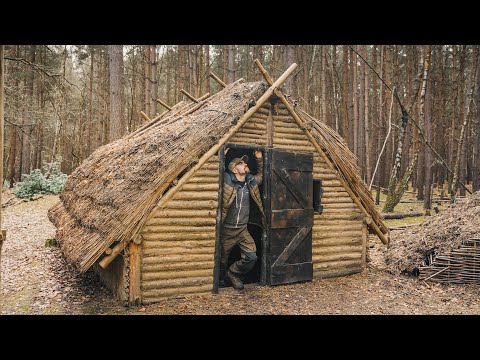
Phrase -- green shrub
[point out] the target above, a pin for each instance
(49, 180)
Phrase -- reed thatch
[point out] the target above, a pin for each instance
(111, 192)
(345, 162)
(107, 196)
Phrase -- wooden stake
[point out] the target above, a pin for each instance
(364, 245)
(383, 238)
(163, 104)
(2, 74)
(189, 96)
(145, 116)
(214, 77)
(135, 292)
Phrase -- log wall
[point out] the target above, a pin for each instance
(178, 245)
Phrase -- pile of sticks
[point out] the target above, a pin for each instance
(459, 266)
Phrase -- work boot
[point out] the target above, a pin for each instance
(235, 280)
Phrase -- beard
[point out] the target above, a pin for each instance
(247, 170)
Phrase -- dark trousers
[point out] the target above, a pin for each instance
(248, 256)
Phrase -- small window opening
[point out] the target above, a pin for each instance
(317, 196)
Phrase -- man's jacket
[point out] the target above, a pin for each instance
(230, 189)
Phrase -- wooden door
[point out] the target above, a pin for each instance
(291, 218)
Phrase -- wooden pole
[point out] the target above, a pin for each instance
(163, 104)
(170, 193)
(214, 77)
(135, 293)
(2, 233)
(145, 116)
(299, 122)
(188, 95)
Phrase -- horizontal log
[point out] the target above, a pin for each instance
(177, 250)
(256, 120)
(306, 149)
(339, 206)
(324, 274)
(206, 172)
(240, 136)
(350, 226)
(329, 193)
(211, 165)
(169, 213)
(328, 183)
(155, 221)
(335, 234)
(339, 223)
(176, 283)
(285, 124)
(159, 294)
(337, 257)
(337, 241)
(200, 187)
(260, 115)
(196, 195)
(164, 275)
(185, 243)
(328, 174)
(336, 200)
(246, 141)
(319, 219)
(337, 250)
(184, 204)
(254, 126)
(290, 136)
(249, 131)
(337, 265)
(295, 142)
(167, 237)
(287, 130)
(332, 211)
(177, 229)
(262, 111)
(334, 189)
(401, 215)
(204, 179)
(286, 118)
(177, 259)
(192, 265)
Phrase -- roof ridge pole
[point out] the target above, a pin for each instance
(170, 193)
(188, 95)
(300, 123)
(145, 116)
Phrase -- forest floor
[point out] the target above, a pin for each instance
(36, 280)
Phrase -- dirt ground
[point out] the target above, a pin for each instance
(36, 280)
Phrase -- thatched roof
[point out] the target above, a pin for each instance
(108, 195)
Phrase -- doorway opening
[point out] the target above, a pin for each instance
(254, 227)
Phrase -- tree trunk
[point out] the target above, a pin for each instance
(27, 148)
(344, 126)
(368, 166)
(476, 148)
(147, 68)
(291, 84)
(396, 193)
(116, 91)
(231, 64)
(427, 204)
(355, 102)
(154, 83)
(466, 117)
(207, 69)
(90, 101)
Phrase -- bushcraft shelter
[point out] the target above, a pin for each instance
(144, 211)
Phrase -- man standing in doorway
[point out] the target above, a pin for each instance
(238, 187)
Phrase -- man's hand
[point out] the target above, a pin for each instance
(258, 154)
